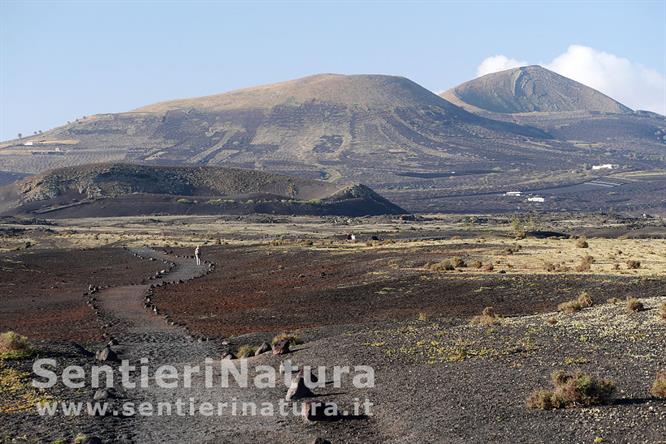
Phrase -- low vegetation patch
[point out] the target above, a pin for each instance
(659, 387)
(633, 265)
(458, 262)
(634, 304)
(556, 268)
(662, 311)
(585, 263)
(584, 300)
(17, 393)
(14, 346)
(581, 242)
(444, 265)
(246, 351)
(572, 390)
(487, 317)
(293, 339)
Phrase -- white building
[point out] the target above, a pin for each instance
(605, 166)
(536, 199)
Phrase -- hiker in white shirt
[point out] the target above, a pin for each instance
(197, 255)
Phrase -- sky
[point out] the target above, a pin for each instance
(60, 60)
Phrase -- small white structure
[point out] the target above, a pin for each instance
(536, 199)
(513, 193)
(605, 166)
(28, 143)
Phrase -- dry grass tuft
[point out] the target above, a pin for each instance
(633, 265)
(458, 262)
(581, 242)
(659, 387)
(487, 317)
(14, 346)
(584, 300)
(572, 390)
(476, 264)
(246, 351)
(293, 339)
(444, 265)
(423, 316)
(585, 263)
(662, 311)
(634, 304)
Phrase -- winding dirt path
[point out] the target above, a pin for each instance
(143, 334)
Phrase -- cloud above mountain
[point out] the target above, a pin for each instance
(631, 83)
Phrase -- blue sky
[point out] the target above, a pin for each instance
(61, 60)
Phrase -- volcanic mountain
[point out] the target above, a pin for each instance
(530, 89)
(328, 126)
(119, 189)
(409, 144)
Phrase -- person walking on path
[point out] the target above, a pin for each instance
(197, 255)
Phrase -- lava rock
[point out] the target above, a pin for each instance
(106, 354)
(263, 348)
(281, 348)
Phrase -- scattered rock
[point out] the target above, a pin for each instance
(106, 354)
(228, 355)
(281, 348)
(298, 389)
(105, 393)
(263, 348)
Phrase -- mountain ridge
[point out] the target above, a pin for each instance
(180, 188)
(531, 88)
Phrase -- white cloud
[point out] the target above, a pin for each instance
(497, 63)
(630, 83)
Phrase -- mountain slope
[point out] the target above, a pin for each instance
(371, 91)
(388, 132)
(531, 89)
(125, 189)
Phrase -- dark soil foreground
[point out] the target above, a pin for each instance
(271, 289)
(41, 291)
(437, 379)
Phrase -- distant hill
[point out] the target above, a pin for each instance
(530, 89)
(388, 132)
(119, 189)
